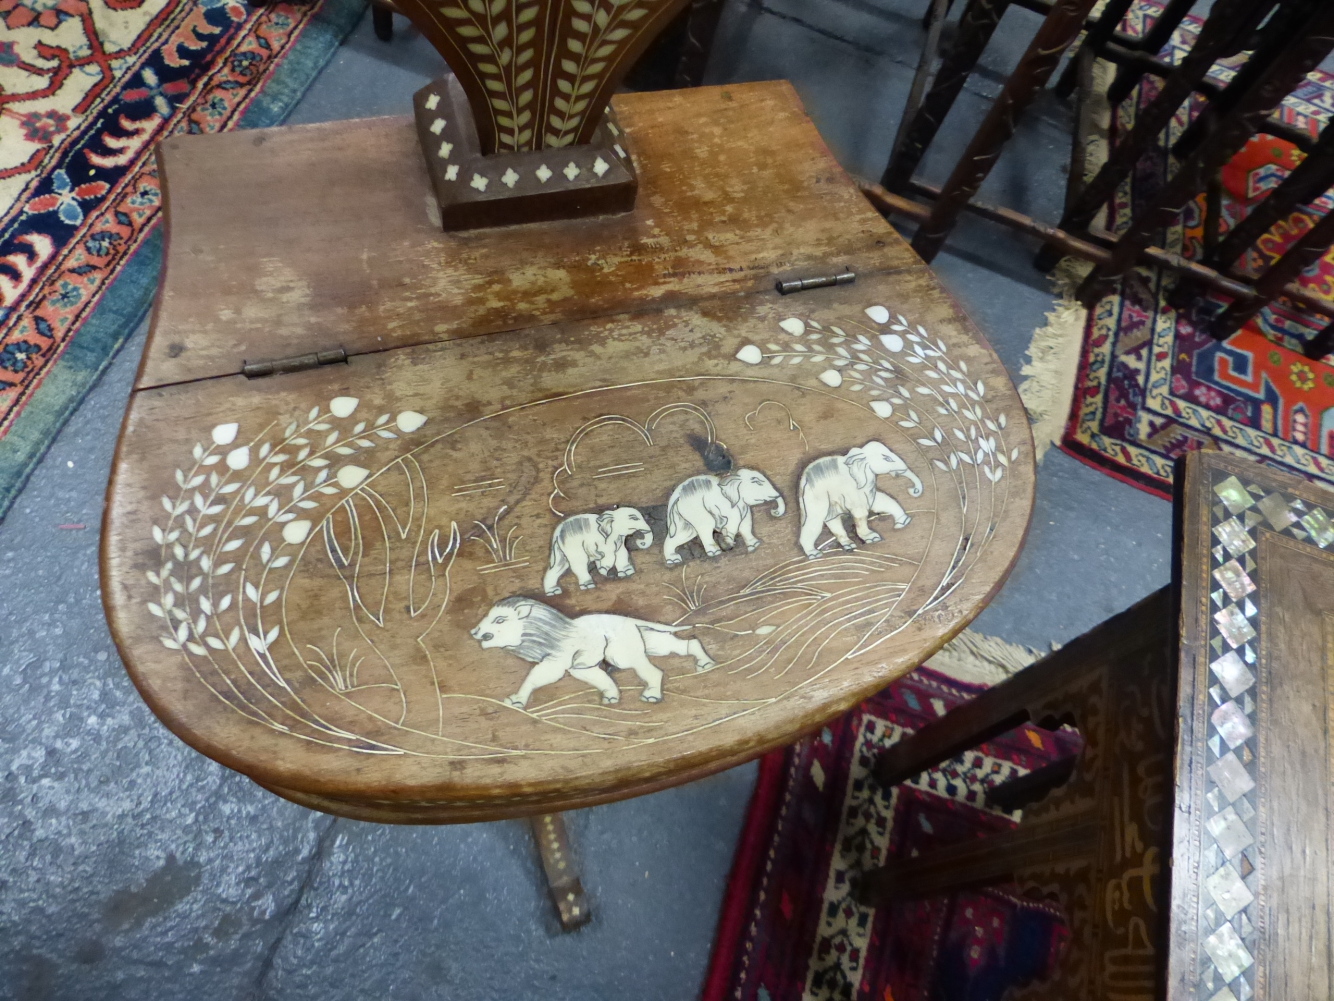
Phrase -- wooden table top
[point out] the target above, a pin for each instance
(420, 586)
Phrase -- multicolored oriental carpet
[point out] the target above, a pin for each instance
(790, 928)
(87, 87)
(1153, 386)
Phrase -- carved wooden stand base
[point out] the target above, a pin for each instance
(500, 189)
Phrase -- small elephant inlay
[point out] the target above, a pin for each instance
(599, 539)
(703, 505)
(557, 645)
(839, 485)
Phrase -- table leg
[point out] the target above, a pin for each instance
(976, 25)
(1307, 49)
(1099, 35)
(567, 892)
(1154, 39)
(1039, 60)
(1308, 181)
(1218, 31)
(1288, 268)
(382, 19)
(701, 27)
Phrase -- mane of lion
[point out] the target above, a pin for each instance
(544, 630)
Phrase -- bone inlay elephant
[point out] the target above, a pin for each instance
(839, 485)
(706, 504)
(599, 539)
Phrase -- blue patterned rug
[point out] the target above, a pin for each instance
(87, 89)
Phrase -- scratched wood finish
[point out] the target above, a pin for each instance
(326, 615)
(1196, 867)
(734, 186)
(573, 523)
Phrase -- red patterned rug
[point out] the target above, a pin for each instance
(87, 88)
(1151, 385)
(790, 928)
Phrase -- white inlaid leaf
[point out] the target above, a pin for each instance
(225, 434)
(342, 406)
(882, 408)
(295, 532)
(409, 421)
(832, 378)
(351, 476)
(793, 326)
(238, 458)
(750, 354)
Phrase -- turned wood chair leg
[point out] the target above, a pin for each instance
(567, 892)
(700, 29)
(922, 119)
(1056, 33)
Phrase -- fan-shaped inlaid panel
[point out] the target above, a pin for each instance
(538, 73)
(556, 566)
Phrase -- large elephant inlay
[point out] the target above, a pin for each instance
(706, 504)
(845, 484)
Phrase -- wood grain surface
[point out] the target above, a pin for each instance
(735, 185)
(596, 512)
(518, 431)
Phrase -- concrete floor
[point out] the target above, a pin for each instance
(134, 868)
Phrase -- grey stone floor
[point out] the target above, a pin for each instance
(133, 868)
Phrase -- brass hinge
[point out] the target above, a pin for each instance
(296, 363)
(824, 281)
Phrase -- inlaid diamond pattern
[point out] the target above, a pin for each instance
(1233, 495)
(1229, 953)
(1232, 724)
(1231, 775)
(1235, 676)
(1227, 904)
(1233, 625)
(1229, 891)
(1236, 540)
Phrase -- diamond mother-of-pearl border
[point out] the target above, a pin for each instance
(577, 162)
(1228, 936)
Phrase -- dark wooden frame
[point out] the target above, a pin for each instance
(1289, 39)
